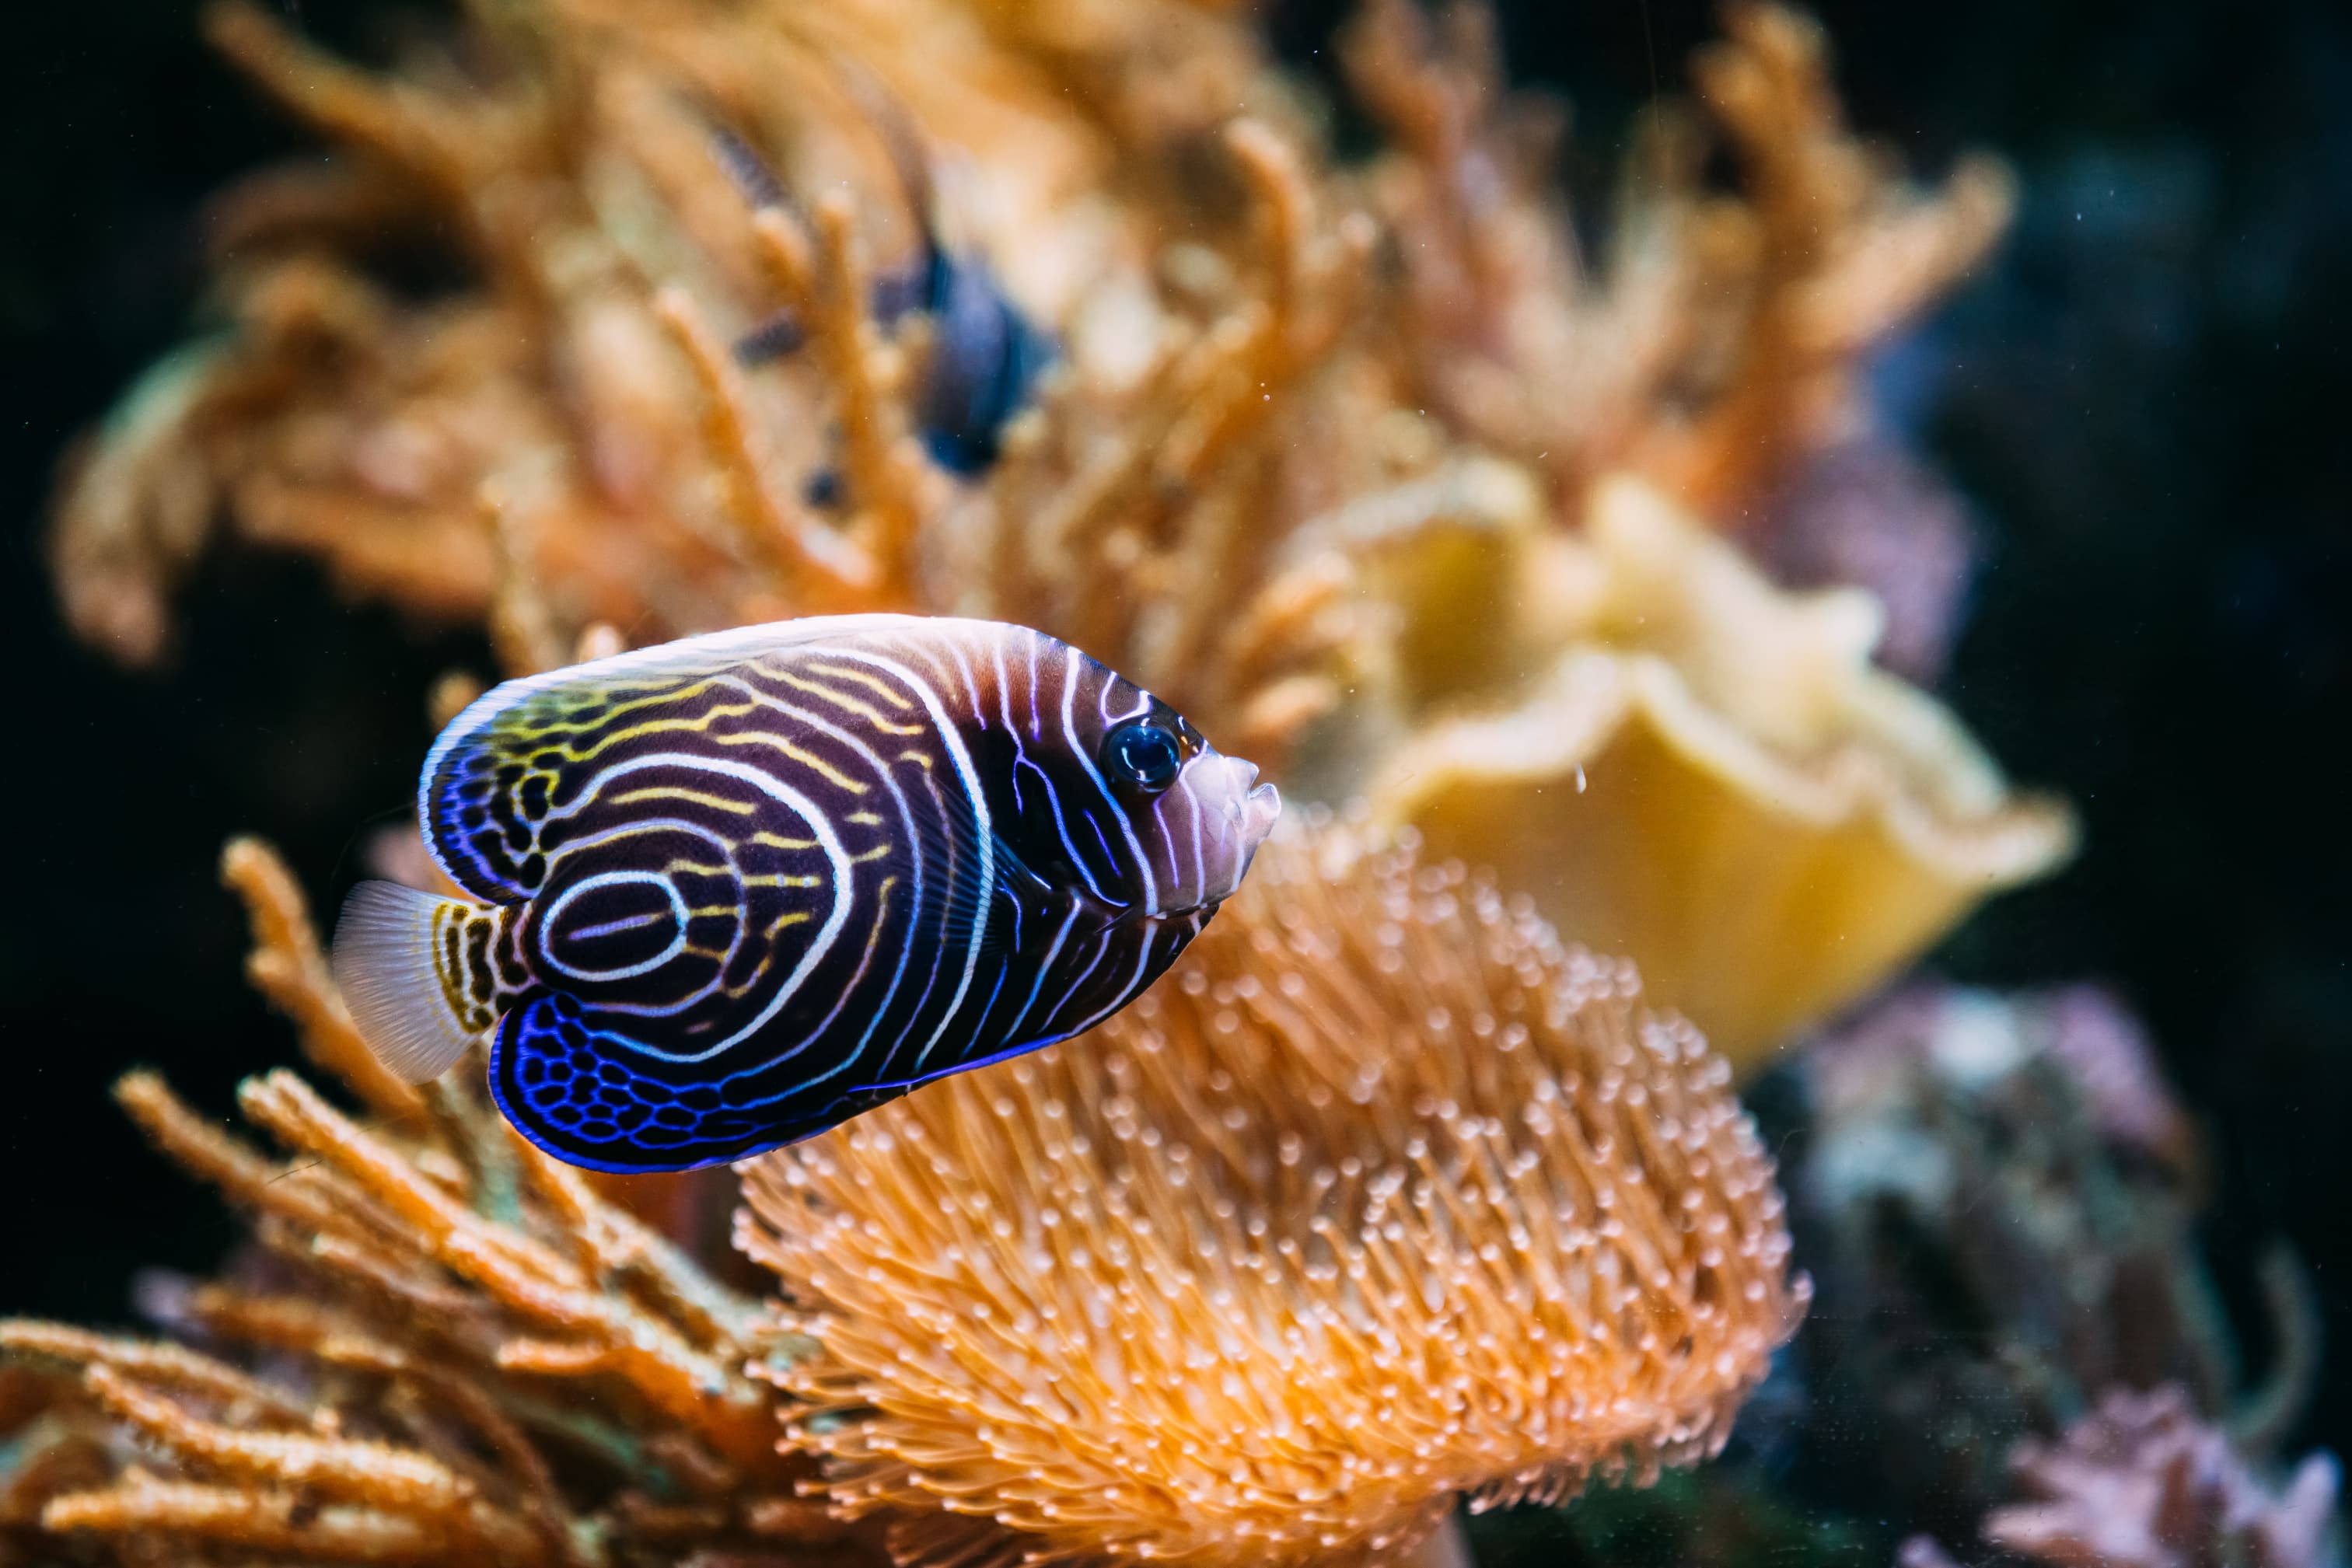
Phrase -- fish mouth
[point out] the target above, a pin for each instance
(1253, 815)
(1254, 818)
(1233, 815)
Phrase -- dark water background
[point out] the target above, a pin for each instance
(2145, 401)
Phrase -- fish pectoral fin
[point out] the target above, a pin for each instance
(1017, 873)
(954, 849)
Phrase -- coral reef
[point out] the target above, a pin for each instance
(441, 1346)
(1326, 454)
(569, 442)
(1386, 1198)
(1273, 1273)
(1716, 339)
(1572, 564)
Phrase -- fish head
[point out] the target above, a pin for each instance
(1124, 803)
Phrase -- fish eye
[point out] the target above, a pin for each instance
(1143, 755)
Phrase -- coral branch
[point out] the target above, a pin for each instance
(160, 1363)
(878, 462)
(825, 285)
(444, 1346)
(830, 572)
(526, 1276)
(342, 103)
(243, 1176)
(287, 966)
(257, 1521)
(336, 1340)
(351, 1471)
(1841, 257)
(522, 627)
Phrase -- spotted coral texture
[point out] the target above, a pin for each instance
(1384, 1197)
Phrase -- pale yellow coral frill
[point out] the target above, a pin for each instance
(1715, 780)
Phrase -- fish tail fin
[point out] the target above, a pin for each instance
(401, 960)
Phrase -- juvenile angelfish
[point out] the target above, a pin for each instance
(731, 890)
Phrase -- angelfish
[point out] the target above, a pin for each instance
(731, 890)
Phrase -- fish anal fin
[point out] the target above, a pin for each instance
(574, 1087)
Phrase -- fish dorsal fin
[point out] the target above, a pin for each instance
(478, 802)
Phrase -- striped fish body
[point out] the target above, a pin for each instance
(731, 891)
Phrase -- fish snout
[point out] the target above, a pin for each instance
(1232, 815)
(1256, 812)
(1253, 809)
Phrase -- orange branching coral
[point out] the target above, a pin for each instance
(1719, 336)
(1389, 1199)
(567, 441)
(288, 966)
(1386, 1197)
(450, 1349)
(1205, 274)
(1841, 252)
(473, 1358)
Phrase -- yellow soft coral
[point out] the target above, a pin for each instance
(1713, 780)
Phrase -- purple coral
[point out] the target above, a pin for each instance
(1869, 512)
(2089, 1031)
(2142, 1483)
